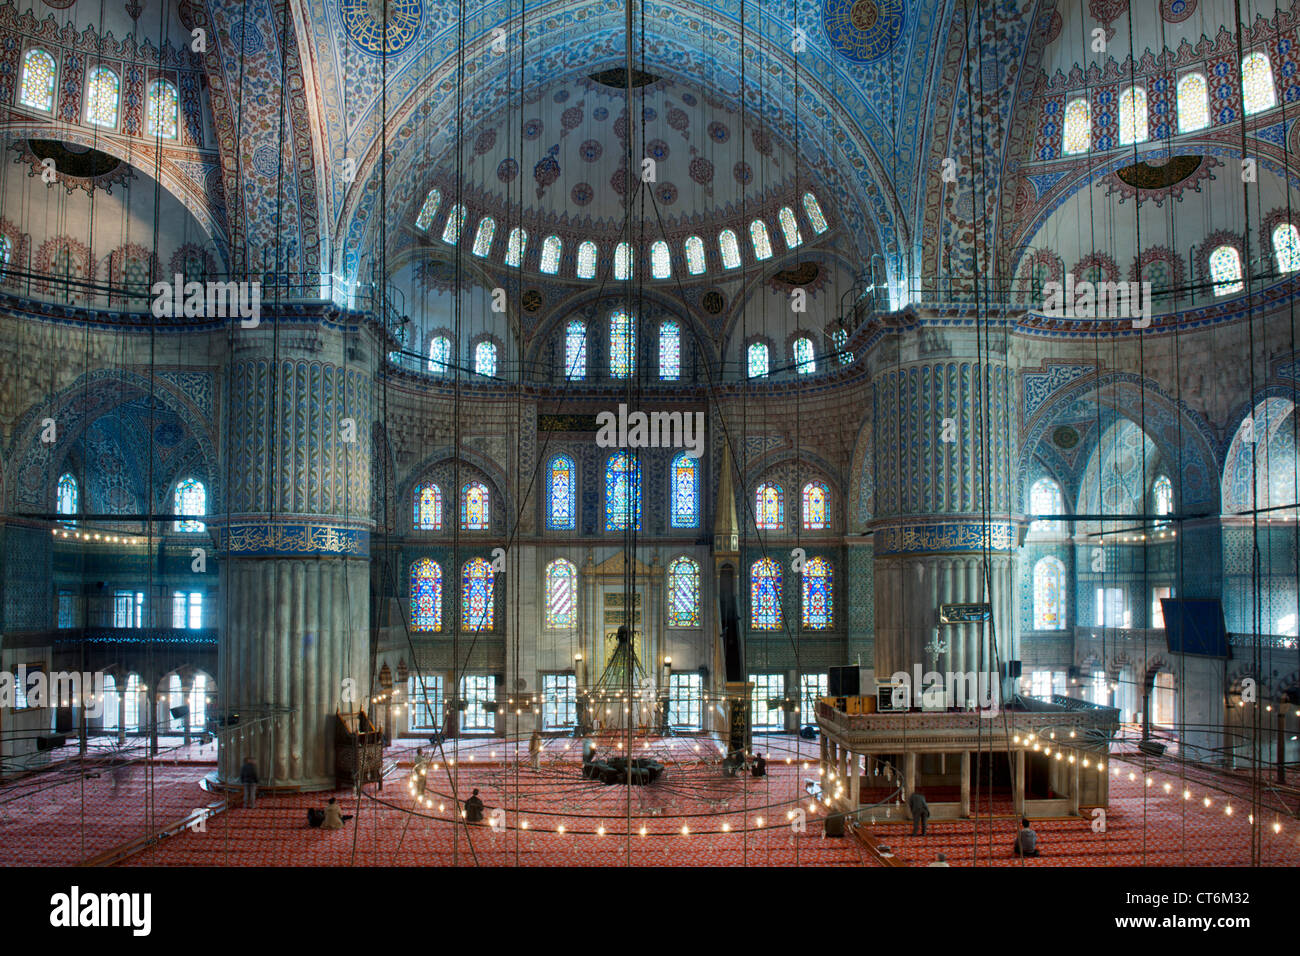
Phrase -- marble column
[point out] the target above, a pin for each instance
(1018, 782)
(1074, 788)
(909, 775)
(965, 783)
(855, 782)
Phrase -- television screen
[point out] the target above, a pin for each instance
(1195, 626)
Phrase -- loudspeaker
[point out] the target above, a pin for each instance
(1011, 669)
(182, 711)
(843, 682)
(52, 742)
(1151, 747)
(489, 706)
(1072, 673)
(835, 826)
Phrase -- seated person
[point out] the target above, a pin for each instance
(1026, 840)
(474, 808)
(759, 767)
(334, 818)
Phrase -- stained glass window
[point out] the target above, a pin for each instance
(765, 594)
(561, 594)
(1225, 270)
(163, 110)
(476, 596)
(37, 87)
(6, 250)
(551, 248)
(487, 228)
(190, 500)
(660, 262)
(683, 593)
(1049, 595)
(757, 360)
(428, 507)
(1133, 116)
(622, 345)
(730, 249)
(789, 227)
(685, 491)
(561, 494)
(1077, 137)
(670, 352)
(430, 209)
(426, 596)
(818, 607)
(805, 363)
(815, 498)
(769, 507)
(622, 493)
(575, 351)
(813, 210)
(1162, 497)
(455, 222)
(1286, 247)
(695, 255)
(586, 260)
(1257, 89)
(516, 246)
(439, 354)
(485, 358)
(102, 91)
(762, 244)
(1193, 103)
(68, 495)
(475, 507)
(623, 261)
(840, 337)
(1045, 499)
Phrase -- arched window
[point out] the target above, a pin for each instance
(426, 596)
(623, 261)
(762, 244)
(818, 608)
(805, 363)
(789, 227)
(683, 593)
(487, 228)
(561, 594)
(1049, 595)
(586, 260)
(485, 358)
(455, 222)
(175, 700)
(1162, 498)
(622, 493)
(110, 703)
(516, 245)
(765, 594)
(191, 500)
(757, 360)
(37, 86)
(695, 255)
(131, 715)
(1045, 499)
(68, 495)
(815, 498)
(428, 507)
(769, 507)
(1133, 116)
(163, 110)
(199, 701)
(670, 352)
(1077, 136)
(622, 344)
(427, 211)
(561, 494)
(102, 93)
(660, 261)
(729, 248)
(439, 354)
(1193, 103)
(1258, 93)
(813, 210)
(476, 609)
(684, 477)
(475, 507)
(551, 249)
(840, 338)
(1286, 247)
(575, 351)
(1225, 270)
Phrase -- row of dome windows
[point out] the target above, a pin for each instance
(661, 266)
(1193, 99)
(189, 501)
(103, 95)
(1045, 498)
(1225, 260)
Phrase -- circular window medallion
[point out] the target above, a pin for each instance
(364, 22)
(863, 30)
(1065, 437)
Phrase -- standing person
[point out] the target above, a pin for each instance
(535, 749)
(920, 811)
(248, 777)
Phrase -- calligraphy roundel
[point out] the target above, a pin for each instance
(863, 30)
(364, 21)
